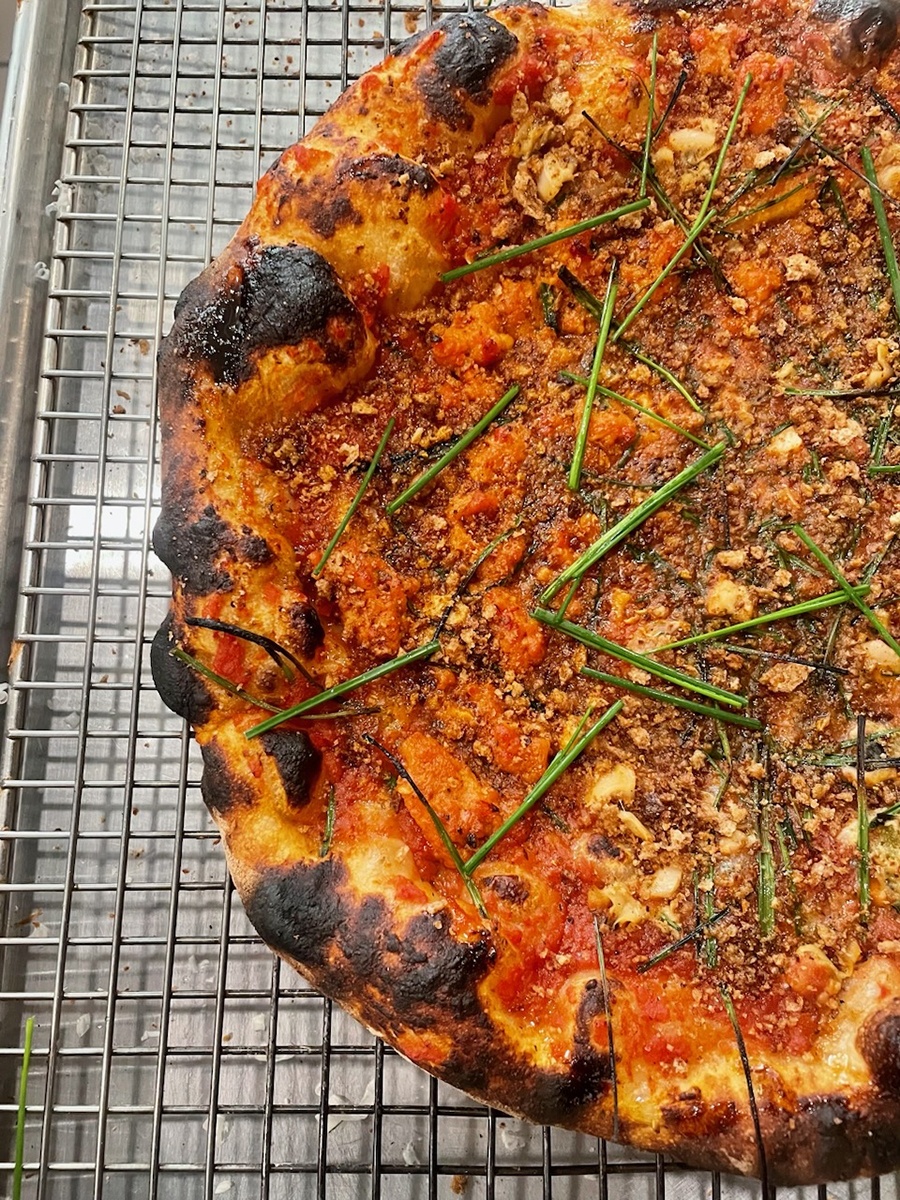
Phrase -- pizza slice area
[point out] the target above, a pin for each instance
(528, 493)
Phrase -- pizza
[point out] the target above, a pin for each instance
(529, 463)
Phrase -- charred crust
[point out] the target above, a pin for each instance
(180, 687)
(879, 1044)
(422, 978)
(192, 549)
(651, 7)
(473, 46)
(220, 790)
(560, 1096)
(510, 888)
(308, 627)
(297, 760)
(253, 549)
(398, 172)
(866, 31)
(278, 297)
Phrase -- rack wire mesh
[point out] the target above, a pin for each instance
(173, 1055)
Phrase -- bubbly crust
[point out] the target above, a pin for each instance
(348, 233)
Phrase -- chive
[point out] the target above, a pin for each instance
(833, 188)
(548, 239)
(766, 882)
(885, 105)
(703, 710)
(19, 1162)
(710, 945)
(325, 848)
(673, 100)
(751, 212)
(720, 161)
(681, 942)
(629, 523)
(471, 886)
(548, 306)
(276, 652)
(862, 809)
(829, 600)
(665, 374)
(561, 762)
(647, 412)
(849, 591)
(456, 449)
(473, 570)
(588, 638)
(885, 815)
(884, 230)
(842, 393)
(582, 294)
(651, 114)
(357, 499)
(607, 1009)
(696, 229)
(233, 689)
(880, 443)
(728, 1004)
(609, 301)
(349, 685)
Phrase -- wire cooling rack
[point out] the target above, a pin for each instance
(173, 1056)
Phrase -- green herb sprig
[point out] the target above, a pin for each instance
(692, 935)
(647, 412)
(862, 812)
(651, 114)
(356, 501)
(803, 609)
(282, 657)
(348, 685)
(19, 1160)
(548, 239)
(884, 230)
(728, 1005)
(455, 450)
(607, 1011)
(629, 523)
(649, 693)
(233, 689)
(664, 373)
(325, 847)
(588, 638)
(471, 886)
(606, 314)
(560, 763)
(847, 588)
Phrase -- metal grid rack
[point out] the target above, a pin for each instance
(173, 1056)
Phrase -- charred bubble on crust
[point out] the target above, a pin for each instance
(879, 1044)
(279, 297)
(253, 549)
(220, 790)
(180, 687)
(510, 888)
(472, 48)
(297, 760)
(423, 976)
(308, 627)
(397, 171)
(192, 549)
(867, 32)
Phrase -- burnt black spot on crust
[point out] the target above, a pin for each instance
(879, 1044)
(510, 888)
(423, 978)
(220, 790)
(298, 762)
(192, 549)
(280, 296)
(253, 549)
(310, 633)
(472, 48)
(180, 687)
(399, 172)
(560, 1095)
(866, 32)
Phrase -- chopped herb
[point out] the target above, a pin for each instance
(325, 848)
(233, 689)
(561, 762)
(651, 114)
(588, 638)
(609, 301)
(357, 499)
(681, 942)
(842, 393)
(607, 1009)
(548, 239)
(884, 230)
(473, 570)
(832, 187)
(885, 105)
(813, 469)
(19, 1161)
(766, 881)
(582, 294)
(647, 412)
(710, 948)
(439, 825)
(548, 306)
(276, 652)
(627, 525)
(748, 1078)
(789, 162)
(720, 161)
(703, 710)
(673, 100)
(849, 591)
(455, 450)
(752, 212)
(862, 809)
(696, 229)
(879, 445)
(804, 608)
(665, 374)
(752, 652)
(349, 685)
